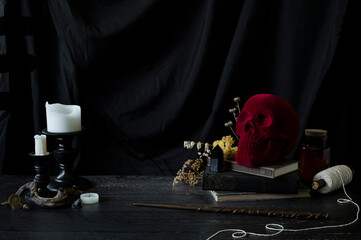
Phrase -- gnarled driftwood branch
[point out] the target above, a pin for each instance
(60, 199)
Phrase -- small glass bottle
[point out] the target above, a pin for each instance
(314, 154)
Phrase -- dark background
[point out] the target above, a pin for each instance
(150, 74)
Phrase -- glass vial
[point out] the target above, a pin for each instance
(314, 154)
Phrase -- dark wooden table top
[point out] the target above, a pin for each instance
(115, 217)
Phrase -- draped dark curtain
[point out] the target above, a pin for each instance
(150, 74)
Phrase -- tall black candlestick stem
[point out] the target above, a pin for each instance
(65, 155)
(41, 173)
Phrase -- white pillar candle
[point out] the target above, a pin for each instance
(62, 118)
(40, 145)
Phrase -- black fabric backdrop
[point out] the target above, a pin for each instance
(150, 74)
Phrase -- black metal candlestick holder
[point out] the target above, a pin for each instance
(41, 175)
(65, 155)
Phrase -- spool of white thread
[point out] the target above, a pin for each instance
(332, 177)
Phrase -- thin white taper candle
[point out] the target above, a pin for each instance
(40, 145)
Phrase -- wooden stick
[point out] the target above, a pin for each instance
(257, 212)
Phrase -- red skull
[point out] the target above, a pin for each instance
(268, 129)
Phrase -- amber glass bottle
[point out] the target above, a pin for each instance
(314, 154)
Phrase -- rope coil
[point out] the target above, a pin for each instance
(333, 178)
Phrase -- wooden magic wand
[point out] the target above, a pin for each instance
(257, 212)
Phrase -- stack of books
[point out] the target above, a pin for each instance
(250, 183)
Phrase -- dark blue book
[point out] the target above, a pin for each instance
(242, 182)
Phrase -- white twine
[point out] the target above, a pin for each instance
(335, 177)
(332, 179)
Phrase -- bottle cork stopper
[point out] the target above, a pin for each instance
(315, 133)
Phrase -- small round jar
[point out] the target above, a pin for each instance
(314, 154)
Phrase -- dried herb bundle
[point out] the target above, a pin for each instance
(191, 172)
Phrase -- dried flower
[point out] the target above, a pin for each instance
(226, 144)
(206, 148)
(199, 145)
(233, 111)
(190, 173)
(189, 144)
(237, 100)
(229, 124)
